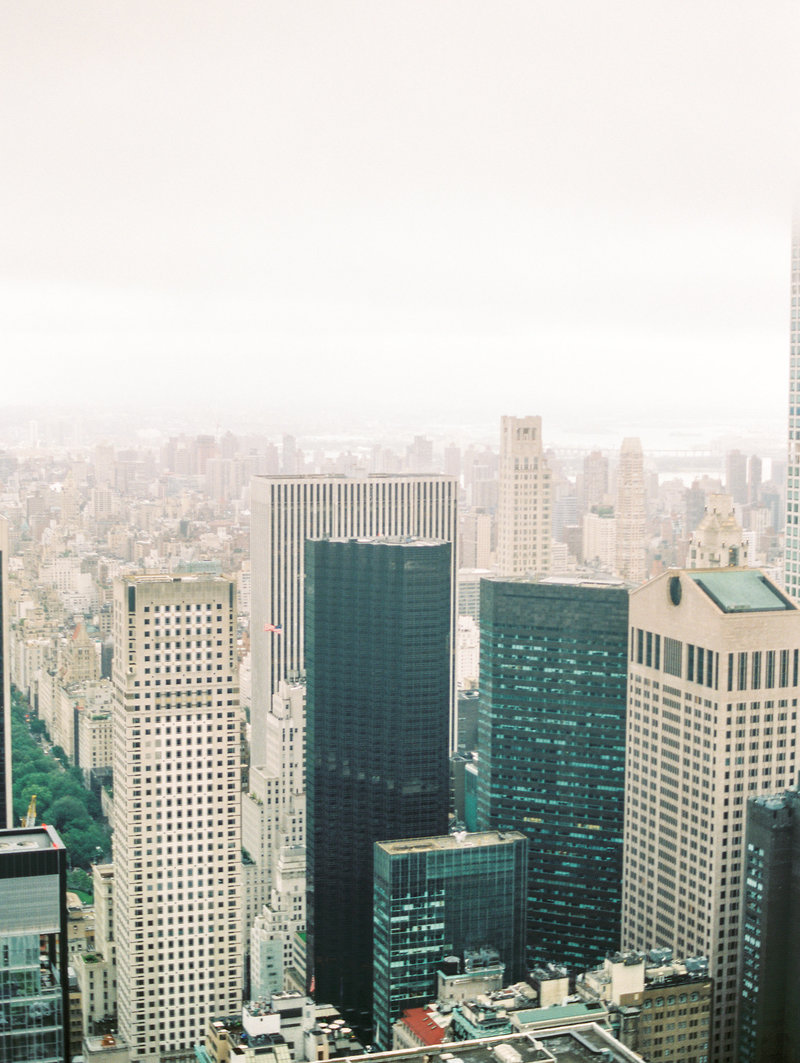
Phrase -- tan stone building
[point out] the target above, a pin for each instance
(714, 673)
(524, 501)
(176, 812)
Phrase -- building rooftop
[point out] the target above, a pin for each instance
(740, 590)
(26, 838)
(445, 842)
(388, 540)
(582, 1043)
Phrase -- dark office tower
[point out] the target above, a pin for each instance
(6, 807)
(34, 952)
(769, 1021)
(551, 753)
(377, 652)
(438, 897)
(736, 476)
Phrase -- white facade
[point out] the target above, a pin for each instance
(287, 510)
(600, 542)
(274, 808)
(176, 813)
(718, 539)
(631, 513)
(468, 653)
(714, 679)
(524, 503)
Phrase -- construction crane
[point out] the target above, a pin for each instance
(29, 819)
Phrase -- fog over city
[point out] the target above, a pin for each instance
(351, 216)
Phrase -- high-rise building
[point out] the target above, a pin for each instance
(718, 540)
(736, 476)
(631, 513)
(438, 897)
(524, 501)
(713, 685)
(6, 805)
(754, 467)
(551, 753)
(378, 659)
(288, 510)
(791, 565)
(594, 483)
(34, 950)
(274, 835)
(176, 815)
(769, 1021)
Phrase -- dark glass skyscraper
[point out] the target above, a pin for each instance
(34, 953)
(6, 807)
(769, 1022)
(377, 651)
(551, 744)
(436, 897)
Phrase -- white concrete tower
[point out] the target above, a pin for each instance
(631, 512)
(713, 685)
(791, 565)
(524, 502)
(287, 510)
(177, 832)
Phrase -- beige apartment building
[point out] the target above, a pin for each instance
(176, 811)
(631, 513)
(524, 501)
(712, 719)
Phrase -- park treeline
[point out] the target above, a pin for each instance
(61, 798)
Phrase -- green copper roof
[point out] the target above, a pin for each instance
(737, 590)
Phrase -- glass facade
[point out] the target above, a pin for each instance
(769, 1026)
(377, 649)
(551, 744)
(435, 898)
(34, 1001)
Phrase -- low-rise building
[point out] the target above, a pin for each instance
(659, 1007)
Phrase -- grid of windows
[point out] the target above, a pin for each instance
(551, 744)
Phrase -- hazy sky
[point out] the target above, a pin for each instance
(457, 208)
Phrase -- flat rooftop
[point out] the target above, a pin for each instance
(21, 839)
(388, 540)
(741, 590)
(447, 842)
(584, 1043)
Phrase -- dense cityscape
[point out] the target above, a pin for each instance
(399, 532)
(395, 748)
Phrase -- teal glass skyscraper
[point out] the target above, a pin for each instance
(437, 897)
(34, 953)
(551, 753)
(377, 651)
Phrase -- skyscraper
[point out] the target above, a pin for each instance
(378, 654)
(791, 565)
(34, 951)
(437, 897)
(524, 503)
(769, 1021)
(287, 510)
(176, 817)
(736, 476)
(631, 513)
(6, 805)
(551, 753)
(713, 685)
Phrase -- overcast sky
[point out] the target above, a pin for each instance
(462, 209)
